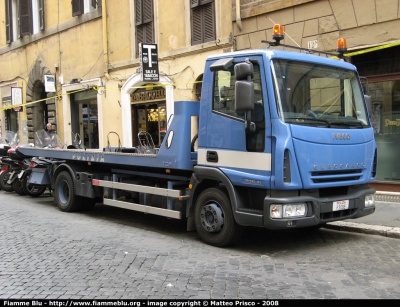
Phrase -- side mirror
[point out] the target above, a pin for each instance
(244, 87)
(244, 96)
(368, 102)
(244, 92)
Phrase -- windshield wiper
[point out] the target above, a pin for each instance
(305, 120)
(350, 123)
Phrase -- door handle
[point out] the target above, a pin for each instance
(212, 156)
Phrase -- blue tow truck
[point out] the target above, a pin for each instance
(284, 140)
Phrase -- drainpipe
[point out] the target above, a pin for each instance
(105, 38)
(238, 18)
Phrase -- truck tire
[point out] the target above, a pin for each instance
(214, 219)
(3, 181)
(32, 189)
(64, 193)
(17, 186)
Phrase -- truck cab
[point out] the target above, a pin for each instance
(289, 136)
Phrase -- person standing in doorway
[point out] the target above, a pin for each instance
(49, 136)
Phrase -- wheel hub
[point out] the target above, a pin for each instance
(212, 218)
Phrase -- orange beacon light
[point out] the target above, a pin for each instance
(341, 46)
(278, 32)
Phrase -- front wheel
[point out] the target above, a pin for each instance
(214, 219)
(64, 193)
(5, 175)
(32, 189)
(17, 186)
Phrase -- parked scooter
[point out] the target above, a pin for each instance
(7, 141)
(14, 163)
(5, 173)
(5, 144)
(36, 178)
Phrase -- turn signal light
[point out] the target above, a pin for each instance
(278, 32)
(341, 45)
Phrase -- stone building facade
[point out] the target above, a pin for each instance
(373, 40)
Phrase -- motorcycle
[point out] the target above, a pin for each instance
(14, 163)
(5, 141)
(5, 173)
(37, 177)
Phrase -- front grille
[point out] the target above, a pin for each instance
(336, 176)
(336, 191)
(337, 214)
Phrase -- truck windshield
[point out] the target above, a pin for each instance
(316, 95)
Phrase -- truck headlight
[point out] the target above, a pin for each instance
(288, 210)
(275, 211)
(370, 200)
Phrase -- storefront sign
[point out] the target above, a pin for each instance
(395, 122)
(149, 95)
(148, 55)
(49, 83)
(16, 98)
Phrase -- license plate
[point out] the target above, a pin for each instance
(20, 174)
(340, 205)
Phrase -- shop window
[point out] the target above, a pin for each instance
(382, 70)
(385, 119)
(84, 117)
(151, 118)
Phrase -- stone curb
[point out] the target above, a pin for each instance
(390, 232)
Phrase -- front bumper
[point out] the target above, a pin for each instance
(319, 210)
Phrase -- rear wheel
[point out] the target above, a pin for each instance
(3, 181)
(32, 189)
(64, 193)
(18, 188)
(214, 219)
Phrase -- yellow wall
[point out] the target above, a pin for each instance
(171, 25)
(119, 31)
(75, 45)
(81, 51)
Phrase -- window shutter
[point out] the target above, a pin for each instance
(140, 33)
(139, 38)
(138, 12)
(194, 3)
(9, 32)
(197, 26)
(25, 17)
(148, 37)
(41, 15)
(147, 11)
(144, 22)
(77, 7)
(209, 22)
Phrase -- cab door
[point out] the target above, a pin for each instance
(228, 146)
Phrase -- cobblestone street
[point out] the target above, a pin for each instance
(112, 253)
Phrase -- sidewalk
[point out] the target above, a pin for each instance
(385, 221)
